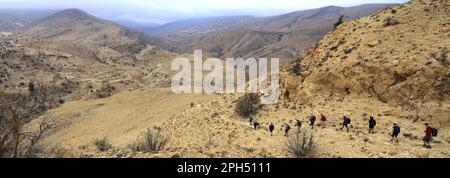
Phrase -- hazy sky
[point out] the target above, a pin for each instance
(162, 11)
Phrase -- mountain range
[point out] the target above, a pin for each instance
(281, 36)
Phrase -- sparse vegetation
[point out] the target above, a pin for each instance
(102, 144)
(301, 144)
(389, 21)
(296, 67)
(154, 140)
(441, 56)
(339, 22)
(105, 91)
(19, 109)
(247, 104)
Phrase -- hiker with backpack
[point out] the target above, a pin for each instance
(323, 120)
(255, 125)
(395, 132)
(372, 124)
(345, 123)
(271, 128)
(286, 129)
(428, 135)
(298, 124)
(312, 120)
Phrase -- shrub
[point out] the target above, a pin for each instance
(153, 141)
(339, 22)
(102, 144)
(296, 67)
(247, 104)
(442, 57)
(301, 144)
(388, 21)
(106, 91)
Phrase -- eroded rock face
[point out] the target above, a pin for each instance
(365, 58)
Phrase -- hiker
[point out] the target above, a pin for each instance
(251, 120)
(323, 120)
(345, 123)
(298, 124)
(31, 87)
(372, 124)
(395, 132)
(286, 129)
(428, 136)
(255, 125)
(271, 128)
(312, 120)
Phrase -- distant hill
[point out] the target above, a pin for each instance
(77, 26)
(277, 36)
(8, 22)
(13, 19)
(135, 24)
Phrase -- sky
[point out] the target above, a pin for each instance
(163, 11)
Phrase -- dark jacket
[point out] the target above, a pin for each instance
(346, 120)
(372, 123)
(312, 119)
(396, 130)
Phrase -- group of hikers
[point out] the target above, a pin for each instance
(430, 132)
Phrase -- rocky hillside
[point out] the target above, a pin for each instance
(399, 55)
(25, 59)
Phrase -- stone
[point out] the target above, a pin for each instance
(392, 153)
(423, 154)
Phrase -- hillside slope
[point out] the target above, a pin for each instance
(398, 56)
(76, 26)
(210, 127)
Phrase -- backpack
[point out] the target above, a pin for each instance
(271, 127)
(397, 129)
(348, 120)
(287, 128)
(312, 119)
(434, 132)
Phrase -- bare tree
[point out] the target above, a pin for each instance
(247, 104)
(18, 109)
